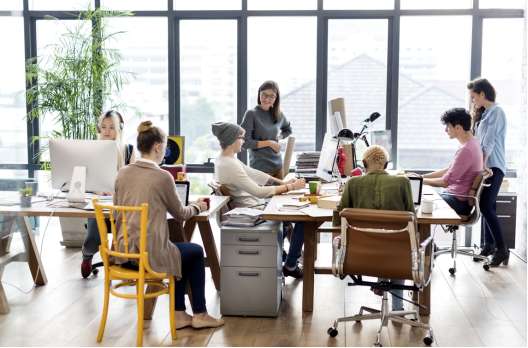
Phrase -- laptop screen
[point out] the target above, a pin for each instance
(182, 187)
(416, 187)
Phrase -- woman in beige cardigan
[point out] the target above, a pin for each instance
(145, 182)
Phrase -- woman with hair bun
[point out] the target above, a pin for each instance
(110, 127)
(489, 126)
(145, 182)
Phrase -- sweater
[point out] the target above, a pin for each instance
(145, 182)
(242, 182)
(259, 126)
(376, 190)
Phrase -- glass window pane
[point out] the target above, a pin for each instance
(13, 133)
(135, 5)
(357, 68)
(59, 5)
(199, 183)
(294, 69)
(282, 5)
(358, 5)
(207, 5)
(435, 4)
(145, 52)
(502, 66)
(502, 3)
(434, 71)
(208, 75)
(11, 5)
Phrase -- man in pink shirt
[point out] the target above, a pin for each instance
(466, 165)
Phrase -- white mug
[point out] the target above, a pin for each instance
(427, 206)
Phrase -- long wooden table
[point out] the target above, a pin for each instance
(442, 215)
(15, 215)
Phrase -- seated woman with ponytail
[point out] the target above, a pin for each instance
(110, 127)
(145, 182)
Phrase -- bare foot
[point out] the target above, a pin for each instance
(182, 316)
(205, 317)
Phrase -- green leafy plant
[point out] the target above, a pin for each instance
(25, 192)
(77, 79)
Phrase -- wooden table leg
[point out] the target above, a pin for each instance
(33, 257)
(150, 303)
(189, 227)
(425, 296)
(310, 239)
(6, 235)
(213, 261)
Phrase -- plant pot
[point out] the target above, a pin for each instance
(25, 202)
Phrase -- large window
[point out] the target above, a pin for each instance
(434, 70)
(13, 133)
(208, 75)
(282, 49)
(502, 66)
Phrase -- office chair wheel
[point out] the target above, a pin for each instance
(95, 271)
(428, 340)
(486, 267)
(452, 270)
(332, 332)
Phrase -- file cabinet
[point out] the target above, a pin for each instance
(251, 275)
(507, 214)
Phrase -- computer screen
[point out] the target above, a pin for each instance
(183, 188)
(327, 159)
(416, 187)
(383, 138)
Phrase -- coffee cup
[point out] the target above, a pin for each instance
(315, 187)
(34, 186)
(427, 206)
(207, 201)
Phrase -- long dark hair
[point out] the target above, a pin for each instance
(478, 86)
(275, 108)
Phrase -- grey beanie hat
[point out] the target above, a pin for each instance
(227, 133)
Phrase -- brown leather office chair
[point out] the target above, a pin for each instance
(221, 190)
(383, 244)
(467, 220)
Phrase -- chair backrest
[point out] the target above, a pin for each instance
(221, 190)
(106, 251)
(476, 191)
(379, 243)
(288, 155)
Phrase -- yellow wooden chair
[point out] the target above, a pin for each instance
(144, 276)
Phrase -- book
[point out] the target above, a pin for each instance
(328, 202)
(293, 205)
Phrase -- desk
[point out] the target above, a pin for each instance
(19, 215)
(442, 215)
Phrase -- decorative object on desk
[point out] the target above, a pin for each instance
(181, 176)
(341, 160)
(25, 197)
(77, 79)
(356, 172)
(315, 187)
(329, 202)
(34, 186)
(176, 144)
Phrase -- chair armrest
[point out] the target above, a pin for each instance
(425, 279)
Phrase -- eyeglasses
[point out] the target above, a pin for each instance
(240, 138)
(265, 96)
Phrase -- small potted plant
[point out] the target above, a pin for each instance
(25, 197)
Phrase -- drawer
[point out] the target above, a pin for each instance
(250, 256)
(508, 225)
(245, 238)
(506, 205)
(250, 291)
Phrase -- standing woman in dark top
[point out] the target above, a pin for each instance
(110, 127)
(489, 125)
(265, 125)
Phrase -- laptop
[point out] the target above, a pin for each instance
(416, 187)
(183, 188)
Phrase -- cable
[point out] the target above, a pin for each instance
(47, 205)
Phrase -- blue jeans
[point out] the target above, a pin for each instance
(488, 208)
(296, 243)
(193, 268)
(460, 207)
(397, 303)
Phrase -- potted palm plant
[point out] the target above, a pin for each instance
(72, 84)
(25, 197)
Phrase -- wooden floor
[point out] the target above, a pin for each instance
(472, 308)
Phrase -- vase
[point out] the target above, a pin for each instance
(25, 202)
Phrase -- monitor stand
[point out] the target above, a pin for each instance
(78, 185)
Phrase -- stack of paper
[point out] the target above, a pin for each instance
(244, 217)
(293, 205)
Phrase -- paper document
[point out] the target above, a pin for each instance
(244, 211)
(314, 211)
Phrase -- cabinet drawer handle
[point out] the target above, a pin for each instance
(248, 252)
(504, 216)
(248, 240)
(248, 274)
(503, 201)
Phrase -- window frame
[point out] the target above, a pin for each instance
(241, 16)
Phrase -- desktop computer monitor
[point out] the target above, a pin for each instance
(89, 164)
(327, 160)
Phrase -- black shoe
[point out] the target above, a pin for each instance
(501, 255)
(284, 255)
(485, 250)
(297, 273)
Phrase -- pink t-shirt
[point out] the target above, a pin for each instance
(464, 168)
